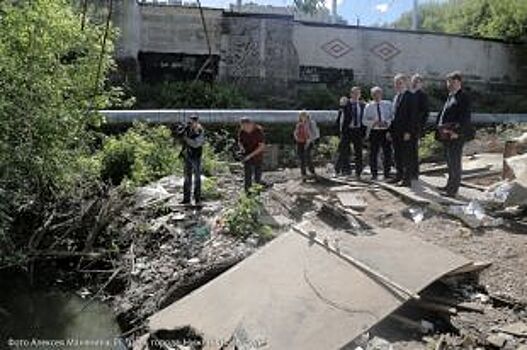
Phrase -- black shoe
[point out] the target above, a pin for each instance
(404, 183)
(185, 202)
(374, 177)
(394, 180)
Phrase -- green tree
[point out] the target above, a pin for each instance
(503, 19)
(52, 82)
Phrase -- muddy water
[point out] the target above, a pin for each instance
(50, 319)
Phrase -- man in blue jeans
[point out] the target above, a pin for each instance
(252, 141)
(193, 140)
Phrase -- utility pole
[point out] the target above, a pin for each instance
(415, 16)
(334, 11)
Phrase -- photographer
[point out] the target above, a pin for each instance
(193, 137)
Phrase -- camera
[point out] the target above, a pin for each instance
(181, 129)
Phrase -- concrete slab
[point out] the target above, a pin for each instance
(294, 294)
(465, 194)
(402, 257)
(351, 200)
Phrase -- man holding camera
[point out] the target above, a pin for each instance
(193, 136)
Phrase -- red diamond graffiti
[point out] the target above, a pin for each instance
(385, 50)
(336, 48)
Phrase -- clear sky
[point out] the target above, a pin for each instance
(369, 12)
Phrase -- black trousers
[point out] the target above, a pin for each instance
(252, 171)
(192, 169)
(453, 154)
(378, 142)
(304, 154)
(406, 157)
(352, 136)
(343, 154)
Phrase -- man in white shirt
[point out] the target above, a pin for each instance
(378, 116)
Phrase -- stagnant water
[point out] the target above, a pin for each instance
(33, 318)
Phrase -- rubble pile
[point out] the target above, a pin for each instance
(173, 249)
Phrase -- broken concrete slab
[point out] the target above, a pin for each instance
(518, 329)
(292, 291)
(518, 165)
(507, 194)
(351, 200)
(497, 340)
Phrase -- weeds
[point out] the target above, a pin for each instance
(243, 219)
(140, 155)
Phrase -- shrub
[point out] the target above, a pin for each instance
(53, 80)
(210, 188)
(142, 154)
(327, 148)
(243, 219)
(182, 94)
(211, 163)
(429, 148)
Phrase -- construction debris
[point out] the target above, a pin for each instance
(518, 329)
(351, 200)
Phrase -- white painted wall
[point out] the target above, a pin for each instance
(179, 29)
(431, 54)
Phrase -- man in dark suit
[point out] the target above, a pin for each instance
(404, 132)
(352, 130)
(422, 109)
(453, 129)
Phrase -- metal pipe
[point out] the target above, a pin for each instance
(232, 116)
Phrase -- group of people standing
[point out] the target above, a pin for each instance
(392, 128)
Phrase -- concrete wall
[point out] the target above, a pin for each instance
(375, 54)
(273, 52)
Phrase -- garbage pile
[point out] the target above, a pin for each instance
(509, 198)
(174, 248)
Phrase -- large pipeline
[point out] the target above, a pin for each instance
(232, 116)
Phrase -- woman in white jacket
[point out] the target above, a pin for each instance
(306, 134)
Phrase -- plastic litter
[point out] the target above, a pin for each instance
(201, 232)
(473, 214)
(417, 214)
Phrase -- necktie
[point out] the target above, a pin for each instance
(443, 110)
(354, 113)
(379, 112)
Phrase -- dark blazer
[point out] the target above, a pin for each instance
(349, 116)
(456, 111)
(405, 116)
(422, 107)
